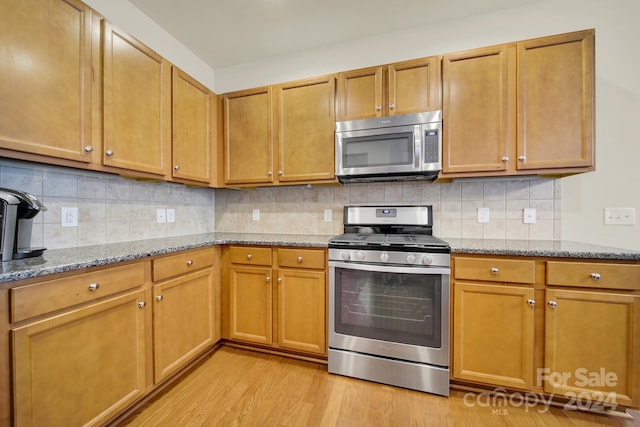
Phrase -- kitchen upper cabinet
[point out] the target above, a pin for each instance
(280, 134)
(305, 131)
(248, 137)
(45, 63)
(137, 107)
(520, 108)
(81, 367)
(193, 137)
(400, 88)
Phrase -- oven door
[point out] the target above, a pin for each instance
(390, 311)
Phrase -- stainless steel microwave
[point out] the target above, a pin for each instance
(394, 148)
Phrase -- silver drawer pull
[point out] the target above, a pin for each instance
(159, 297)
(531, 302)
(189, 262)
(142, 304)
(595, 276)
(299, 260)
(553, 304)
(109, 153)
(249, 256)
(94, 287)
(494, 270)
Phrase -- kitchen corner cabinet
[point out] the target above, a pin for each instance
(184, 315)
(45, 63)
(493, 326)
(136, 104)
(280, 134)
(276, 298)
(520, 108)
(193, 134)
(400, 88)
(95, 354)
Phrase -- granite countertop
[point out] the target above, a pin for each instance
(63, 260)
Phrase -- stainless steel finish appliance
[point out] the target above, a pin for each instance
(403, 147)
(389, 298)
(17, 210)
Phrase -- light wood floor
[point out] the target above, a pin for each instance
(235, 387)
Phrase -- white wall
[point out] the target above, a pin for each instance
(617, 87)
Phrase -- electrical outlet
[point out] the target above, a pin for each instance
(69, 217)
(483, 215)
(328, 215)
(171, 215)
(619, 216)
(161, 216)
(256, 214)
(529, 216)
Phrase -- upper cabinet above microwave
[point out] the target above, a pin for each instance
(401, 88)
(520, 108)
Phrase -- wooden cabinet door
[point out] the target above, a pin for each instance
(183, 321)
(360, 94)
(301, 310)
(306, 120)
(248, 137)
(478, 110)
(81, 367)
(192, 141)
(493, 334)
(137, 109)
(414, 86)
(556, 102)
(250, 304)
(592, 346)
(45, 64)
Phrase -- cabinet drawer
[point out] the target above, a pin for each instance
(302, 258)
(44, 297)
(250, 255)
(593, 275)
(495, 270)
(182, 263)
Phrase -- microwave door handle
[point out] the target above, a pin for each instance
(417, 147)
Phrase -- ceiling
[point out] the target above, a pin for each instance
(225, 33)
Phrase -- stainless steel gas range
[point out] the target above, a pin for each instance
(389, 298)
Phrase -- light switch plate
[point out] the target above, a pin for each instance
(161, 216)
(69, 217)
(328, 215)
(529, 216)
(256, 214)
(171, 215)
(619, 216)
(483, 215)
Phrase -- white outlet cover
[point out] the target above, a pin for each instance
(483, 215)
(171, 215)
(619, 216)
(328, 215)
(161, 216)
(529, 216)
(69, 217)
(256, 215)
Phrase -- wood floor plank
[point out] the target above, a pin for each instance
(237, 387)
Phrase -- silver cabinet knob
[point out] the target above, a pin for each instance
(552, 304)
(176, 167)
(249, 256)
(522, 158)
(88, 149)
(531, 302)
(159, 297)
(268, 279)
(109, 152)
(494, 270)
(189, 262)
(142, 304)
(94, 287)
(392, 106)
(378, 108)
(299, 260)
(279, 279)
(505, 159)
(269, 173)
(280, 173)
(595, 276)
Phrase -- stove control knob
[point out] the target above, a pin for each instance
(426, 260)
(411, 258)
(384, 257)
(345, 255)
(360, 256)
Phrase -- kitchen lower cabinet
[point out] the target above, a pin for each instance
(290, 315)
(81, 367)
(184, 314)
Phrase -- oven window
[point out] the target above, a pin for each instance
(380, 150)
(396, 307)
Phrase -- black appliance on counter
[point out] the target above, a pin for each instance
(17, 210)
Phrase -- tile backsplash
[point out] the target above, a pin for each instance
(300, 210)
(114, 209)
(110, 208)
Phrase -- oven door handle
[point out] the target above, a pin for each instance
(390, 268)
